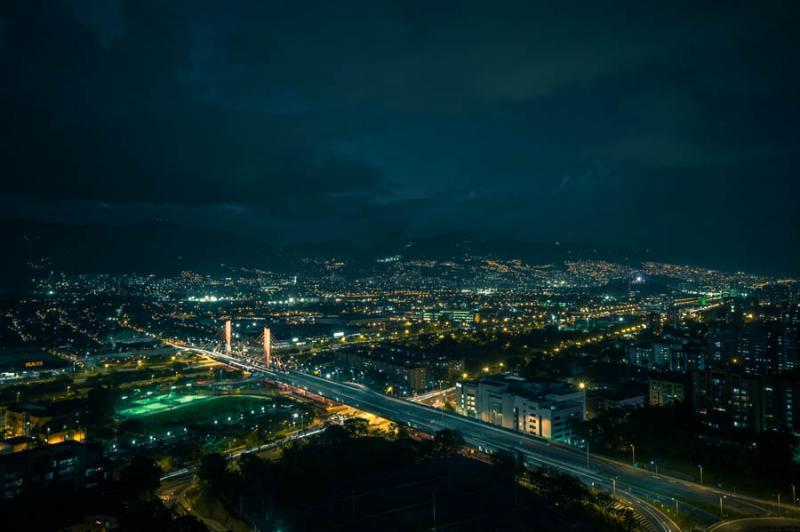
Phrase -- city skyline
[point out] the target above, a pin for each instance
(399, 265)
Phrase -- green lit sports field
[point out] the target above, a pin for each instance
(161, 403)
(161, 413)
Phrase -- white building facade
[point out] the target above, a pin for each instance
(546, 409)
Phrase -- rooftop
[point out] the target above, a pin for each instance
(536, 390)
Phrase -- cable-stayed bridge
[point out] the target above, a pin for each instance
(637, 485)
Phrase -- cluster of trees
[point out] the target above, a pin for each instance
(142, 510)
(526, 354)
(594, 510)
(484, 347)
(338, 452)
(276, 492)
(675, 438)
(129, 499)
(312, 468)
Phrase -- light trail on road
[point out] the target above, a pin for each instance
(695, 499)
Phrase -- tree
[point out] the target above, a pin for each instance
(334, 435)
(447, 442)
(130, 427)
(629, 519)
(153, 515)
(188, 523)
(142, 476)
(398, 431)
(508, 463)
(357, 426)
(144, 515)
(564, 488)
(99, 407)
(165, 463)
(213, 471)
(402, 431)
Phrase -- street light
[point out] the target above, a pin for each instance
(701, 474)
(587, 455)
(633, 455)
(582, 386)
(654, 464)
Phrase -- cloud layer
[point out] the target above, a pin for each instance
(667, 126)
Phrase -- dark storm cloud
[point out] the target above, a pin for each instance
(115, 123)
(670, 126)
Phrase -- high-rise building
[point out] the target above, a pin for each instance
(789, 348)
(726, 399)
(721, 343)
(733, 399)
(754, 349)
(663, 392)
(68, 464)
(656, 356)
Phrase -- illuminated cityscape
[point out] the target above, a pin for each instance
(399, 266)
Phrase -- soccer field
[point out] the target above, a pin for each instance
(161, 403)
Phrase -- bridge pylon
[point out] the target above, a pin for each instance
(228, 335)
(267, 337)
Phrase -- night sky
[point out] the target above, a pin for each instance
(664, 125)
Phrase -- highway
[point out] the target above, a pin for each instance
(701, 502)
(479, 435)
(757, 524)
(536, 451)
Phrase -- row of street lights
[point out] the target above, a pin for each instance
(700, 468)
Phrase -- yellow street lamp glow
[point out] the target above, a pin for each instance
(582, 385)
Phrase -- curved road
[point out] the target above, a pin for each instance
(756, 524)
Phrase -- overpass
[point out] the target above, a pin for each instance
(704, 503)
